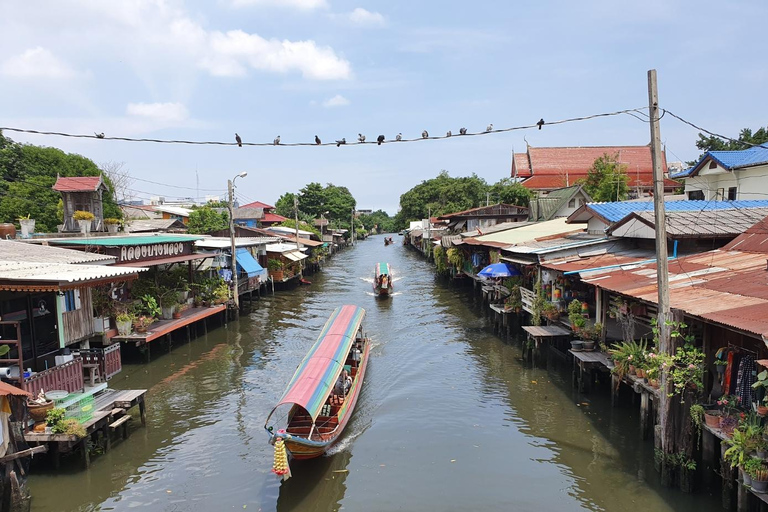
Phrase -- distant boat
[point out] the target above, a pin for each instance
(382, 280)
(313, 411)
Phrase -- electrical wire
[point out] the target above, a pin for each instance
(751, 144)
(350, 143)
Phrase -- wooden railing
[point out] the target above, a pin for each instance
(67, 376)
(108, 359)
(528, 297)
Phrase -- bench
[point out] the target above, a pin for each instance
(121, 422)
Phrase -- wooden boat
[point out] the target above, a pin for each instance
(311, 415)
(382, 280)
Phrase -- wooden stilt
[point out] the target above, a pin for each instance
(86, 447)
(645, 414)
(143, 411)
(708, 456)
(615, 382)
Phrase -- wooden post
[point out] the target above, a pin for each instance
(645, 414)
(86, 443)
(615, 383)
(143, 411)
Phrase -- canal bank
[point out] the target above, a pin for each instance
(450, 417)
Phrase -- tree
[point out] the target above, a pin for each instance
(304, 226)
(27, 174)
(284, 205)
(441, 195)
(379, 220)
(746, 139)
(607, 180)
(509, 192)
(205, 220)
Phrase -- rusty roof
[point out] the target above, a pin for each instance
(754, 239)
(727, 287)
(696, 224)
(600, 263)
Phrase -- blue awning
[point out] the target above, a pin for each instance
(247, 264)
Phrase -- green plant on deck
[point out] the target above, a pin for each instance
(687, 368)
(70, 427)
(539, 302)
(54, 416)
(761, 382)
(515, 299)
(494, 256)
(83, 215)
(550, 311)
(741, 444)
(441, 260)
(752, 465)
(697, 418)
(574, 313)
(274, 264)
(455, 257)
(147, 305)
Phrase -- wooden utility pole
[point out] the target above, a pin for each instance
(296, 219)
(232, 246)
(666, 420)
(352, 228)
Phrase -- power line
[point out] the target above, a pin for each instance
(351, 143)
(751, 144)
(174, 186)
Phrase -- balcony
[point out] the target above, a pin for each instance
(67, 376)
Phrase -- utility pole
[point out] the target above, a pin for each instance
(296, 219)
(429, 232)
(666, 423)
(352, 228)
(232, 248)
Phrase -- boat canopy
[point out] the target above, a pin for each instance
(382, 268)
(317, 373)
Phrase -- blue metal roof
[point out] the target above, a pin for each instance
(248, 264)
(614, 212)
(757, 155)
(681, 174)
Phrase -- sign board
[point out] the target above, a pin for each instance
(149, 252)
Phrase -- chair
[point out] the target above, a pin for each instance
(94, 376)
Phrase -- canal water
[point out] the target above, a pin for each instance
(450, 417)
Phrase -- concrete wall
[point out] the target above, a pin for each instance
(751, 183)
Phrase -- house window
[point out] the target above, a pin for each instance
(720, 194)
(732, 194)
(71, 300)
(696, 195)
(712, 164)
(572, 203)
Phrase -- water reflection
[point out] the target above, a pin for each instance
(318, 485)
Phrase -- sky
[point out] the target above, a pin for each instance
(201, 71)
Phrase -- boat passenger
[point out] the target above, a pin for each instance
(343, 383)
(355, 355)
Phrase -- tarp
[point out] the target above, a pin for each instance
(247, 264)
(294, 255)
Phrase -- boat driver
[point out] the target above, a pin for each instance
(343, 383)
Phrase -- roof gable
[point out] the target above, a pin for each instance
(578, 160)
(258, 204)
(79, 184)
(730, 160)
(614, 212)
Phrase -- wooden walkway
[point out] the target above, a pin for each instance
(585, 365)
(541, 337)
(110, 414)
(163, 327)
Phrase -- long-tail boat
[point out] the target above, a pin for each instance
(317, 404)
(382, 280)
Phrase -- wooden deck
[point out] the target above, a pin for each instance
(545, 331)
(585, 364)
(543, 337)
(110, 414)
(163, 327)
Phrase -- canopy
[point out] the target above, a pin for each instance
(382, 268)
(317, 373)
(248, 264)
(499, 270)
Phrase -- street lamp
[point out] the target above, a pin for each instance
(231, 186)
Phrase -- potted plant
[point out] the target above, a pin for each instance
(169, 299)
(39, 406)
(124, 321)
(177, 309)
(761, 384)
(275, 268)
(112, 224)
(141, 323)
(720, 366)
(749, 468)
(550, 312)
(27, 226)
(84, 219)
(760, 479)
(590, 335)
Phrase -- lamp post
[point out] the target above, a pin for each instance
(231, 186)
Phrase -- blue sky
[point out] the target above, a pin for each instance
(296, 68)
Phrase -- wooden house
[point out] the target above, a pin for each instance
(82, 193)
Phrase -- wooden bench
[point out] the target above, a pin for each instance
(121, 422)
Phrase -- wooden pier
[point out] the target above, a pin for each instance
(541, 337)
(110, 414)
(585, 365)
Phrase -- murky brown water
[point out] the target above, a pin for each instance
(450, 418)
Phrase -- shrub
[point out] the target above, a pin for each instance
(83, 215)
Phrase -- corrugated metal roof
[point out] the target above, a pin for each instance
(259, 204)
(533, 231)
(502, 226)
(60, 272)
(614, 212)
(144, 225)
(23, 251)
(754, 239)
(732, 160)
(698, 224)
(493, 210)
(118, 241)
(7, 389)
(728, 287)
(218, 242)
(592, 263)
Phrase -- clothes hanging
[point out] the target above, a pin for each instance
(746, 378)
(728, 374)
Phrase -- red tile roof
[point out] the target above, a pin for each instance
(521, 165)
(551, 182)
(273, 218)
(78, 184)
(258, 204)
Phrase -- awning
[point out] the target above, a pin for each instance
(166, 261)
(294, 255)
(247, 264)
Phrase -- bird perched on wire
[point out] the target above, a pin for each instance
(380, 139)
(399, 137)
(276, 142)
(448, 134)
(540, 123)
(489, 128)
(317, 140)
(99, 135)
(340, 142)
(238, 140)
(360, 137)
(424, 134)
(462, 131)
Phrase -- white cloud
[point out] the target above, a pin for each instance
(297, 4)
(36, 62)
(164, 112)
(366, 18)
(336, 101)
(229, 54)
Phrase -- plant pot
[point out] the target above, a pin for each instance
(39, 412)
(589, 345)
(100, 324)
(176, 315)
(745, 477)
(27, 227)
(85, 226)
(577, 346)
(141, 328)
(632, 370)
(654, 383)
(761, 454)
(112, 228)
(124, 327)
(712, 419)
(759, 486)
(167, 312)
(640, 373)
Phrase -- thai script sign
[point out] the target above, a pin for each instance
(134, 253)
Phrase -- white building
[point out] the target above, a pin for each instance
(728, 175)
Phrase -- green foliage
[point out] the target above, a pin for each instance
(274, 264)
(314, 200)
(697, 418)
(515, 299)
(746, 138)
(55, 416)
(607, 179)
(70, 427)
(147, 305)
(752, 466)
(27, 174)
(680, 460)
(441, 260)
(455, 257)
(206, 220)
(379, 220)
(741, 444)
(82, 215)
(509, 192)
(539, 303)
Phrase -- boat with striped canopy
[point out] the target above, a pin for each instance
(317, 404)
(382, 280)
